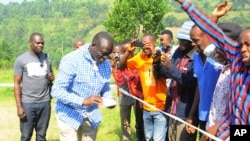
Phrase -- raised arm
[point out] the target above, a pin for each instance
(168, 70)
(220, 10)
(214, 32)
(123, 59)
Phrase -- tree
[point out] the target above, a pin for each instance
(60, 21)
(130, 18)
(5, 54)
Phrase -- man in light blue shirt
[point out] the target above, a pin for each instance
(82, 83)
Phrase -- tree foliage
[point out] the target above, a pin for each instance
(130, 18)
(60, 21)
(63, 21)
(207, 6)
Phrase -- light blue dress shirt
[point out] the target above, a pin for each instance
(78, 79)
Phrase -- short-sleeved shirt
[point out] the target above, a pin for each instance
(154, 90)
(207, 75)
(34, 70)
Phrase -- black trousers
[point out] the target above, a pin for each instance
(139, 121)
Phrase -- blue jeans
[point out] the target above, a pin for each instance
(155, 126)
(37, 117)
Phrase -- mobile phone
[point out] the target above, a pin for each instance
(138, 44)
(157, 51)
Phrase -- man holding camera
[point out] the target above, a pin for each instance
(154, 90)
(121, 79)
(183, 84)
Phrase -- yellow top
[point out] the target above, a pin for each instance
(154, 91)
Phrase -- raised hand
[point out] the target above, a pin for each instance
(131, 48)
(221, 10)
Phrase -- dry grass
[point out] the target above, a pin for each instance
(9, 130)
(9, 121)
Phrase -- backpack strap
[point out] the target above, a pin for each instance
(48, 62)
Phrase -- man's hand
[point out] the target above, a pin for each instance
(131, 48)
(149, 46)
(21, 113)
(157, 55)
(211, 130)
(189, 128)
(51, 76)
(221, 10)
(94, 99)
(166, 62)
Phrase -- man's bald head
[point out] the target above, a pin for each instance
(78, 43)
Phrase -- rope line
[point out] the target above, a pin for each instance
(169, 115)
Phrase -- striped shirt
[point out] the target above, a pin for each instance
(78, 79)
(237, 112)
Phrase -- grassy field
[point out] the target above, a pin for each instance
(9, 122)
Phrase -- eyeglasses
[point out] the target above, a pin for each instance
(101, 54)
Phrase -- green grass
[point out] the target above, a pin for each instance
(9, 123)
(6, 93)
(6, 76)
(9, 131)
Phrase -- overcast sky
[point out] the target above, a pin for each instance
(7, 1)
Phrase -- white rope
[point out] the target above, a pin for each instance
(172, 116)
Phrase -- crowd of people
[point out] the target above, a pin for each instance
(202, 80)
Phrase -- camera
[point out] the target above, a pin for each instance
(117, 56)
(157, 51)
(138, 44)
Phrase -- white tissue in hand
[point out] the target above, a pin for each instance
(108, 102)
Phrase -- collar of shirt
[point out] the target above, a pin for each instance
(190, 54)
